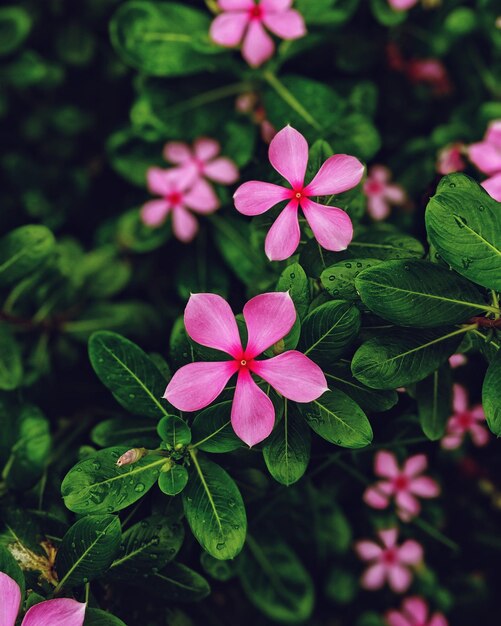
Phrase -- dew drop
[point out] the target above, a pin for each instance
(332, 277)
(96, 465)
(348, 265)
(139, 488)
(293, 275)
(481, 207)
(221, 545)
(452, 184)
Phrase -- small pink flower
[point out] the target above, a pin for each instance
(450, 159)
(332, 227)
(414, 612)
(457, 360)
(493, 186)
(243, 21)
(464, 420)
(486, 154)
(62, 611)
(269, 317)
(201, 161)
(380, 193)
(432, 72)
(402, 5)
(401, 484)
(177, 195)
(389, 563)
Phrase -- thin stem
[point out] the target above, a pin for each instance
(289, 98)
(210, 96)
(495, 302)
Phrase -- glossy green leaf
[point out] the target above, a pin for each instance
(339, 279)
(491, 395)
(172, 481)
(212, 430)
(294, 280)
(174, 431)
(11, 366)
(97, 617)
(125, 431)
(434, 401)
(23, 251)
(177, 583)
(385, 243)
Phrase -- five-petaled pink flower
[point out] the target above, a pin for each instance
(389, 563)
(457, 360)
(464, 420)
(381, 193)
(401, 484)
(178, 194)
(450, 159)
(60, 612)
(244, 21)
(486, 154)
(493, 186)
(414, 612)
(332, 227)
(210, 322)
(201, 161)
(402, 5)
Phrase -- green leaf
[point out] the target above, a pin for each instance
(326, 12)
(294, 280)
(401, 357)
(162, 39)
(339, 279)
(212, 430)
(125, 431)
(433, 397)
(464, 224)
(385, 243)
(214, 509)
(23, 251)
(130, 375)
(220, 570)
(150, 544)
(491, 399)
(11, 366)
(9, 566)
(174, 431)
(96, 617)
(133, 234)
(385, 14)
(15, 25)
(338, 419)
(418, 293)
(177, 583)
(87, 550)
(131, 156)
(328, 330)
(98, 485)
(287, 450)
(339, 375)
(173, 480)
(275, 580)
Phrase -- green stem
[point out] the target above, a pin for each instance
(289, 98)
(208, 97)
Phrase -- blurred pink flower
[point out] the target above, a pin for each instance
(464, 420)
(201, 161)
(389, 563)
(486, 154)
(210, 322)
(61, 611)
(432, 72)
(493, 186)
(244, 21)
(332, 227)
(414, 612)
(401, 484)
(381, 193)
(457, 360)
(177, 195)
(450, 159)
(402, 5)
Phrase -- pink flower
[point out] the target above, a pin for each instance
(486, 154)
(62, 611)
(402, 5)
(457, 360)
(493, 186)
(177, 195)
(389, 563)
(450, 159)
(269, 317)
(464, 420)
(201, 161)
(432, 72)
(380, 193)
(244, 21)
(414, 612)
(401, 484)
(332, 227)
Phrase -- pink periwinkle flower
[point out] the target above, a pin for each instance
(332, 227)
(486, 154)
(244, 21)
(450, 159)
(178, 196)
(457, 360)
(432, 72)
(414, 612)
(381, 194)
(210, 322)
(465, 419)
(402, 5)
(201, 161)
(61, 611)
(493, 186)
(389, 562)
(402, 484)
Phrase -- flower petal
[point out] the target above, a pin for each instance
(235, 5)
(385, 464)
(399, 578)
(377, 207)
(424, 487)
(222, 170)
(283, 237)
(368, 550)
(258, 46)
(452, 441)
(486, 156)
(196, 385)
(479, 435)
(201, 197)
(416, 608)
(206, 148)
(252, 412)
(154, 212)
(380, 173)
(287, 24)
(394, 618)
(269, 317)
(10, 600)
(339, 173)
(459, 398)
(184, 225)
(374, 577)
(293, 375)
(410, 552)
(388, 537)
(275, 6)
(378, 496)
(402, 5)
(493, 186)
(255, 197)
(62, 611)
(158, 181)
(228, 28)
(415, 465)
(493, 134)
(438, 620)
(407, 505)
(209, 321)
(288, 153)
(177, 152)
(331, 226)
(394, 194)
